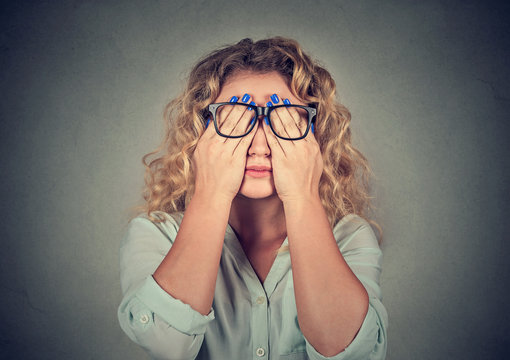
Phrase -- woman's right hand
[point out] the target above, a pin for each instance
(220, 162)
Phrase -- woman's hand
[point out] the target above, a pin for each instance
(220, 162)
(297, 165)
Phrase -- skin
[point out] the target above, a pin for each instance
(331, 302)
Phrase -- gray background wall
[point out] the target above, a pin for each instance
(83, 88)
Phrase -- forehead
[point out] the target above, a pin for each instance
(260, 86)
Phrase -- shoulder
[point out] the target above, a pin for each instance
(353, 231)
(142, 227)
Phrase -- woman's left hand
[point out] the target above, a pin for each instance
(297, 165)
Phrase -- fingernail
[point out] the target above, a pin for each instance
(269, 104)
(312, 129)
(265, 119)
(234, 99)
(275, 98)
(245, 98)
(207, 124)
(253, 120)
(286, 101)
(252, 103)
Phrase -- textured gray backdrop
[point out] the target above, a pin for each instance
(83, 88)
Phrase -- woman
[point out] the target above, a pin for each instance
(253, 243)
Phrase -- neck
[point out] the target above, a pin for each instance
(258, 223)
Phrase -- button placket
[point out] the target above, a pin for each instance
(260, 321)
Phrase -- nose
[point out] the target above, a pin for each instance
(259, 144)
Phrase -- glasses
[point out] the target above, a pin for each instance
(288, 122)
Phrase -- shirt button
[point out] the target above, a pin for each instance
(260, 300)
(144, 319)
(260, 352)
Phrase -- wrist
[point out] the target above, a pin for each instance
(302, 200)
(211, 197)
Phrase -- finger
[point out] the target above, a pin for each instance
(213, 126)
(238, 120)
(209, 132)
(273, 142)
(300, 118)
(311, 134)
(286, 121)
(289, 120)
(278, 120)
(225, 117)
(278, 124)
(248, 117)
(243, 143)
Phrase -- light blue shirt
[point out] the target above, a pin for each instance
(248, 319)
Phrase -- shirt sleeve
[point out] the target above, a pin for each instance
(164, 326)
(358, 245)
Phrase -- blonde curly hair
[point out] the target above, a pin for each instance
(169, 177)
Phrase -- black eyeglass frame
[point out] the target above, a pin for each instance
(261, 110)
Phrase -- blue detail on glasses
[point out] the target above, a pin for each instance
(250, 109)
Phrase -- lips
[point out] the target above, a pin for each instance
(259, 168)
(259, 171)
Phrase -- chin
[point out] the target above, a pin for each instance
(257, 191)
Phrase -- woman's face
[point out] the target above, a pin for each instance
(260, 87)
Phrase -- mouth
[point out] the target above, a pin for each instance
(257, 173)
